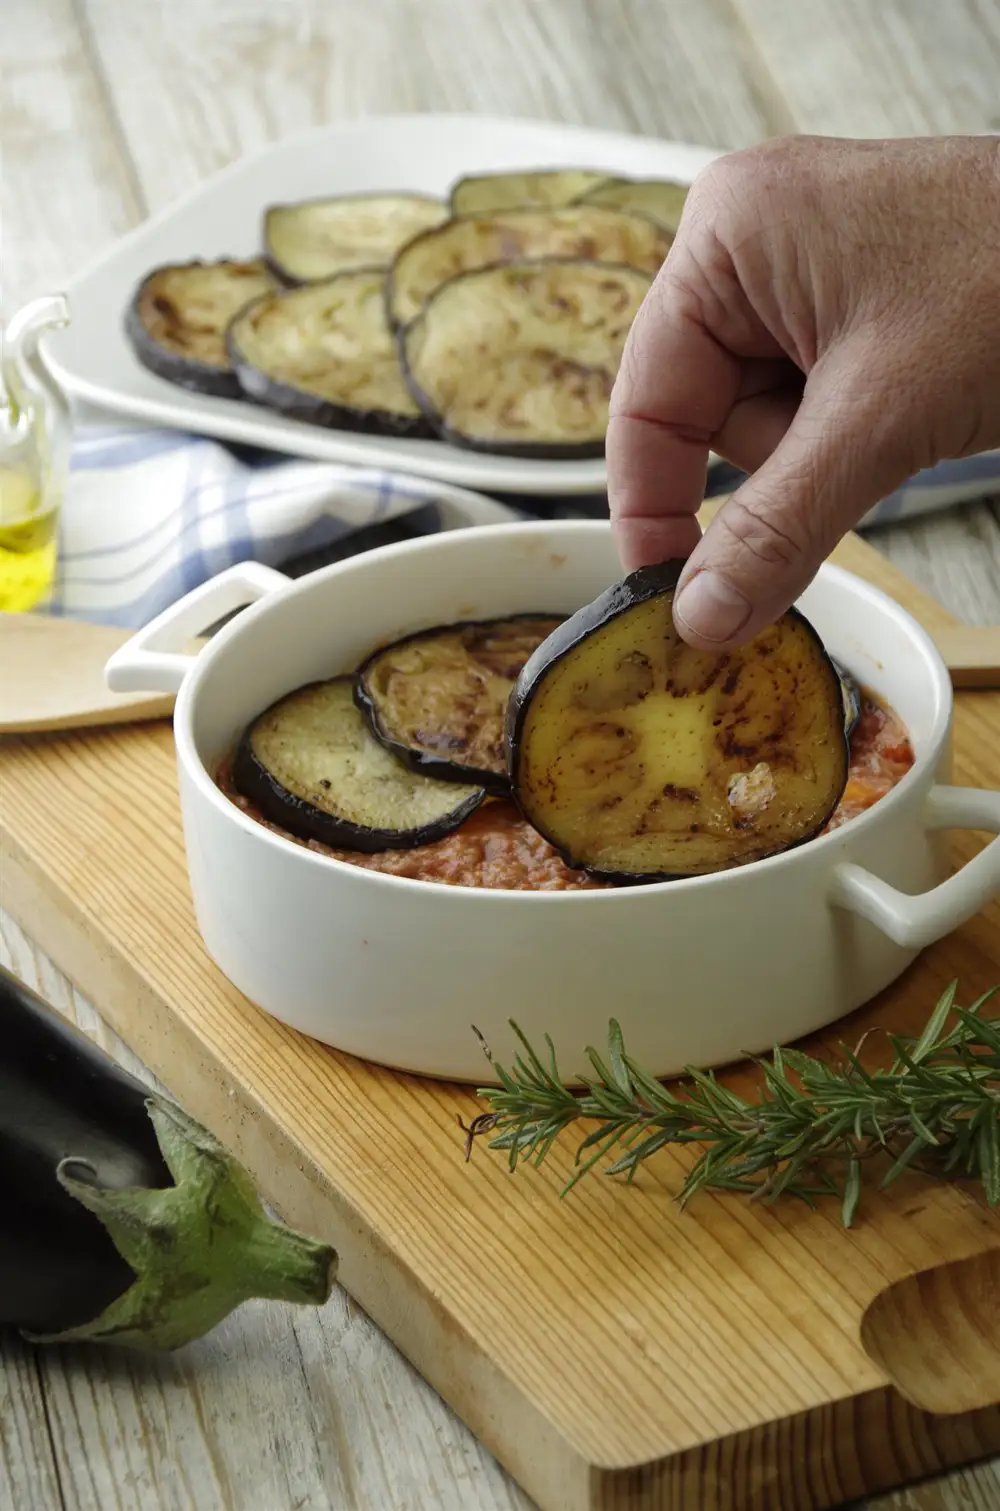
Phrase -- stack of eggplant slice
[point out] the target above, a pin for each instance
(636, 756)
(493, 319)
(399, 754)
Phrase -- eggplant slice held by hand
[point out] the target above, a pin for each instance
(312, 766)
(177, 321)
(485, 193)
(324, 354)
(591, 233)
(656, 198)
(438, 698)
(640, 758)
(315, 239)
(520, 359)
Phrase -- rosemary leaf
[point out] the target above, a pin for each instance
(616, 1053)
(852, 1192)
(935, 1023)
(916, 1146)
(810, 1133)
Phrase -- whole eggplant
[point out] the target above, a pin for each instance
(121, 1218)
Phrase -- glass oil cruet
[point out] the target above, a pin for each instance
(35, 440)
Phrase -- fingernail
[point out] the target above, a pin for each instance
(711, 608)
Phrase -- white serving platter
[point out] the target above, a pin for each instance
(222, 217)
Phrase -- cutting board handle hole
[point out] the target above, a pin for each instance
(936, 1335)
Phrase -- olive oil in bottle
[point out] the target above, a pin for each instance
(27, 540)
(35, 441)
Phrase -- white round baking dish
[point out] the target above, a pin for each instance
(398, 971)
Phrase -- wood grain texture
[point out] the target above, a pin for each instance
(190, 89)
(891, 68)
(232, 77)
(954, 555)
(67, 188)
(54, 676)
(453, 1260)
(28, 1475)
(277, 1407)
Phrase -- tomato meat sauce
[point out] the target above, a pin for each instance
(496, 848)
(881, 755)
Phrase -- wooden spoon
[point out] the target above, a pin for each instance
(971, 653)
(52, 670)
(52, 676)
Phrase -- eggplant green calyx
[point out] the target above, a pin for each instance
(199, 1248)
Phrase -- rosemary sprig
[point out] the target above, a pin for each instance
(815, 1129)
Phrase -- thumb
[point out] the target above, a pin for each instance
(845, 449)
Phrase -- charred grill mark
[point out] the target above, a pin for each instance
(698, 687)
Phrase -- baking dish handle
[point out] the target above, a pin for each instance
(916, 921)
(146, 663)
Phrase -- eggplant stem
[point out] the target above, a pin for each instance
(198, 1248)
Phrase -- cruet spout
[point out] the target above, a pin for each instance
(36, 405)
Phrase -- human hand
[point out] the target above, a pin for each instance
(828, 319)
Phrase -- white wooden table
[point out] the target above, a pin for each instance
(111, 108)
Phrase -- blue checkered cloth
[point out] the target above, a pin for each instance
(150, 514)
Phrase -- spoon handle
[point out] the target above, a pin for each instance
(971, 653)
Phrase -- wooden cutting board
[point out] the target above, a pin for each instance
(615, 1353)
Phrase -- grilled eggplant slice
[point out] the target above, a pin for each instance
(312, 766)
(485, 193)
(438, 699)
(642, 759)
(176, 323)
(590, 232)
(315, 239)
(520, 359)
(324, 354)
(657, 198)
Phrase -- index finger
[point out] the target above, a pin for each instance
(674, 390)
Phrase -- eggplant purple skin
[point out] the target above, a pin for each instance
(196, 377)
(62, 1098)
(296, 404)
(540, 451)
(495, 783)
(253, 781)
(637, 588)
(852, 697)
